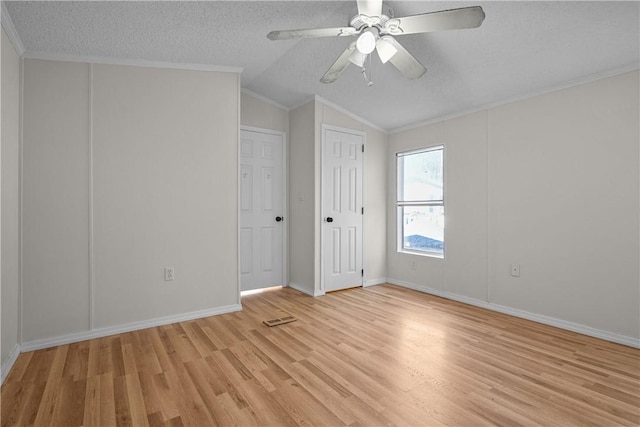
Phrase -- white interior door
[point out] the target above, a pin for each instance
(341, 209)
(261, 210)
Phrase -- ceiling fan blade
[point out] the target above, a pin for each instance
(454, 19)
(406, 63)
(339, 66)
(370, 7)
(316, 32)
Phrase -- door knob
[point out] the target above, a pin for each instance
(329, 219)
(279, 218)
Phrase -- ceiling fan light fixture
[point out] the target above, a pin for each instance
(367, 41)
(385, 49)
(357, 58)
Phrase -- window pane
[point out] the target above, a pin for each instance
(423, 228)
(421, 176)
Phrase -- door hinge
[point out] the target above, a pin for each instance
(362, 272)
(363, 148)
(363, 211)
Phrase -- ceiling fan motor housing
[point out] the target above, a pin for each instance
(360, 22)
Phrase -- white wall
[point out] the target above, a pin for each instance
(127, 170)
(550, 183)
(10, 90)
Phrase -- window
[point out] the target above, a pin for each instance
(420, 201)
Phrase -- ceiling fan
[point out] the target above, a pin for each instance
(375, 27)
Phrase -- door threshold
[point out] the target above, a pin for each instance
(343, 289)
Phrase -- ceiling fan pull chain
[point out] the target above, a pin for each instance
(364, 72)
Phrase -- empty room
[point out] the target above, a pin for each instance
(358, 213)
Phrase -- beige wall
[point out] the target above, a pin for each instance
(464, 269)
(255, 112)
(123, 171)
(165, 192)
(301, 146)
(550, 183)
(375, 195)
(55, 199)
(10, 90)
(304, 195)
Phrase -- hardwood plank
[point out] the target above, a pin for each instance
(189, 403)
(136, 400)
(92, 402)
(19, 368)
(383, 355)
(13, 400)
(121, 402)
(32, 405)
(198, 373)
(144, 352)
(162, 396)
(155, 420)
(76, 363)
(69, 408)
(39, 366)
(107, 401)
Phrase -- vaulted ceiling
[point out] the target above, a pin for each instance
(522, 48)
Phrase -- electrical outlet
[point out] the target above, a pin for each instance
(169, 274)
(515, 270)
(413, 265)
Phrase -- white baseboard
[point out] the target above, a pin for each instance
(135, 326)
(373, 282)
(551, 321)
(8, 364)
(306, 291)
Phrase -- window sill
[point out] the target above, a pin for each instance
(422, 253)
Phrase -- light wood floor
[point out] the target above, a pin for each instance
(377, 356)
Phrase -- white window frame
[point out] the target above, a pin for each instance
(401, 203)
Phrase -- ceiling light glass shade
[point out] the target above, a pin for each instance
(358, 58)
(366, 42)
(385, 49)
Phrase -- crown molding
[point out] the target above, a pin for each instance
(566, 85)
(304, 102)
(340, 109)
(350, 114)
(10, 29)
(131, 62)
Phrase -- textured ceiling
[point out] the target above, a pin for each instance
(521, 48)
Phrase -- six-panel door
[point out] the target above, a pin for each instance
(261, 210)
(341, 210)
